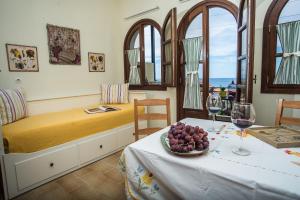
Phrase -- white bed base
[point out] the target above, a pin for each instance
(22, 172)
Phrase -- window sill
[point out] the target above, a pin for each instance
(148, 87)
(287, 89)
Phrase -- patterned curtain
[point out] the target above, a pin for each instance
(193, 54)
(289, 69)
(134, 74)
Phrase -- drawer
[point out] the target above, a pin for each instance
(125, 137)
(42, 167)
(97, 147)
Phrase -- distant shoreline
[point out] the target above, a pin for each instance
(221, 82)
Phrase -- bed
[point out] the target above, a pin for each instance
(51, 129)
(45, 146)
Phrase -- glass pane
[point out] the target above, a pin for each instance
(244, 72)
(244, 43)
(291, 12)
(245, 12)
(135, 41)
(278, 61)
(168, 30)
(200, 74)
(278, 47)
(152, 55)
(222, 49)
(195, 28)
(243, 86)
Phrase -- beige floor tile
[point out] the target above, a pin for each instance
(115, 175)
(111, 160)
(70, 182)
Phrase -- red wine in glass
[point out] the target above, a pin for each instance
(242, 116)
(242, 123)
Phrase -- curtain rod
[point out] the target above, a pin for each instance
(142, 13)
(183, 1)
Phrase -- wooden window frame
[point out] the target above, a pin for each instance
(201, 7)
(139, 26)
(269, 52)
(249, 27)
(173, 20)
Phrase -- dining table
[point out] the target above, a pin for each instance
(152, 172)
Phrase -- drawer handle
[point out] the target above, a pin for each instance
(52, 164)
(101, 146)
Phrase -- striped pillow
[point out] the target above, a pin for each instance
(12, 106)
(117, 93)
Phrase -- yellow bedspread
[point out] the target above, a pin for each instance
(47, 130)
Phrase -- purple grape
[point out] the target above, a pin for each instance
(205, 144)
(170, 136)
(188, 128)
(185, 149)
(200, 147)
(205, 139)
(188, 138)
(205, 133)
(190, 148)
(196, 138)
(180, 141)
(173, 141)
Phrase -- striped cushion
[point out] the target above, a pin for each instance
(117, 93)
(12, 106)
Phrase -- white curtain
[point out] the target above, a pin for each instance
(193, 54)
(134, 74)
(289, 69)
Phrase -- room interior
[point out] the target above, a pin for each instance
(173, 77)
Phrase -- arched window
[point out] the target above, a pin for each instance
(142, 56)
(212, 27)
(280, 13)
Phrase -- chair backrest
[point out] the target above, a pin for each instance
(280, 119)
(150, 116)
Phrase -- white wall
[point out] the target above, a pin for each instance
(24, 22)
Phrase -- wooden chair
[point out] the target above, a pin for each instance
(150, 116)
(282, 104)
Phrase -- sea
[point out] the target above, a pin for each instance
(221, 82)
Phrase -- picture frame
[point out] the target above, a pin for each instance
(64, 45)
(96, 62)
(22, 58)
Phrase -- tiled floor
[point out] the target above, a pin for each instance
(100, 180)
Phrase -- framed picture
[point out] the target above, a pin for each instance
(64, 45)
(96, 62)
(22, 58)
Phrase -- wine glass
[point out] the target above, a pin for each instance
(242, 116)
(214, 105)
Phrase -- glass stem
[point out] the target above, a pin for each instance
(241, 144)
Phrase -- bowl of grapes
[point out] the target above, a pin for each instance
(185, 140)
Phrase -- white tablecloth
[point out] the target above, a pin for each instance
(268, 173)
